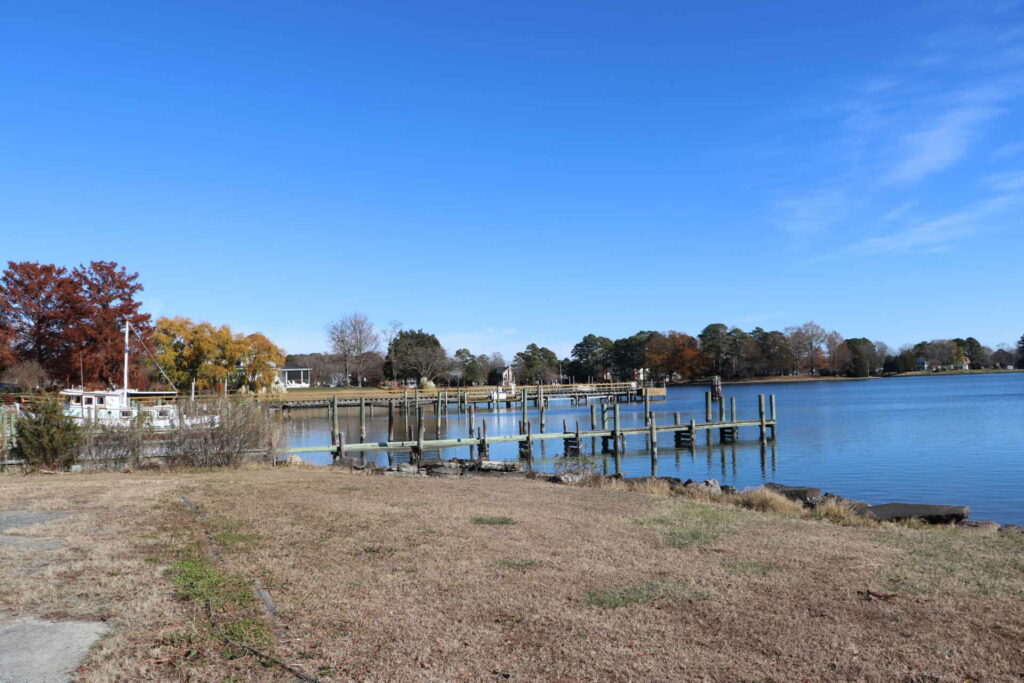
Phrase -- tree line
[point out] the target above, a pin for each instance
(362, 354)
(65, 327)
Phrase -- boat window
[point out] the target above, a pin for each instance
(163, 413)
(88, 400)
(76, 399)
(99, 400)
(126, 413)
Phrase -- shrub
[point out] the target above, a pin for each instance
(764, 500)
(47, 438)
(220, 435)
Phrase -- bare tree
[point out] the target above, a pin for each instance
(352, 338)
(806, 342)
(389, 333)
(28, 375)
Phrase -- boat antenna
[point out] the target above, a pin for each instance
(153, 358)
(127, 326)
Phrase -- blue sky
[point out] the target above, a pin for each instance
(507, 173)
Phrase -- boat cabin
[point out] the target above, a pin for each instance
(119, 407)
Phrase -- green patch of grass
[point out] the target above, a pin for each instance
(378, 550)
(247, 630)
(517, 565)
(229, 596)
(199, 579)
(749, 567)
(696, 525)
(230, 540)
(643, 594)
(496, 521)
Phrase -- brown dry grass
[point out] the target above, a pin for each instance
(382, 578)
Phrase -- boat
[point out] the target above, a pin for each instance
(124, 407)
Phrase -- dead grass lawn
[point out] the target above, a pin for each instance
(381, 578)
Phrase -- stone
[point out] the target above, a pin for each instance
(499, 466)
(566, 478)
(729, 489)
(933, 514)
(805, 495)
(294, 460)
(12, 519)
(1012, 529)
(407, 467)
(29, 543)
(981, 526)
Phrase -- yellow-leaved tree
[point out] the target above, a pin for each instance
(208, 355)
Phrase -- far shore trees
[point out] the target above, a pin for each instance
(352, 338)
(591, 358)
(418, 355)
(536, 365)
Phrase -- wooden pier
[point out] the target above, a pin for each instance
(605, 425)
(443, 399)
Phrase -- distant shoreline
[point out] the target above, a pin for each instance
(811, 378)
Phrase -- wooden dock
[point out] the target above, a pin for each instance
(606, 427)
(462, 397)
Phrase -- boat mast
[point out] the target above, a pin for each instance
(127, 326)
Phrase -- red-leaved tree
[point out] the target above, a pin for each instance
(71, 323)
(107, 300)
(37, 303)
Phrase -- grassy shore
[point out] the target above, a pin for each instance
(379, 578)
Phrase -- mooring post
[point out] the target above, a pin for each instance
(775, 423)
(654, 444)
(707, 413)
(593, 428)
(732, 408)
(391, 432)
(334, 421)
(579, 440)
(405, 403)
(529, 446)
(721, 409)
(419, 418)
(524, 405)
(362, 427)
(472, 431)
(760, 414)
(543, 418)
(615, 418)
(437, 423)
(693, 434)
(340, 453)
(419, 444)
(484, 448)
(647, 403)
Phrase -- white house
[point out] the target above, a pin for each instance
(293, 378)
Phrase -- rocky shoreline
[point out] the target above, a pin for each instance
(807, 496)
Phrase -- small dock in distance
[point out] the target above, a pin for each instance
(461, 398)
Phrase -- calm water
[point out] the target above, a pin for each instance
(949, 440)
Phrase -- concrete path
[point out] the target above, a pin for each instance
(33, 651)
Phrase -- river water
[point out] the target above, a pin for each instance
(955, 439)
